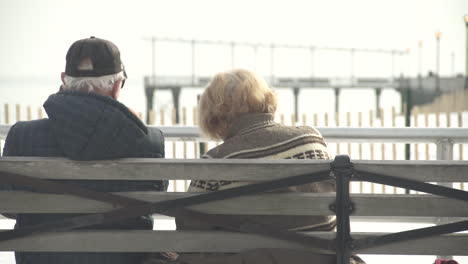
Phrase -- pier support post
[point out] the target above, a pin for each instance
(378, 92)
(149, 92)
(296, 103)
(337, 100)
(176, 100)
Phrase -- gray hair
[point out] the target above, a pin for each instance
(91, 84)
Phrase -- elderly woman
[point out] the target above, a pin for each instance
(238, 108)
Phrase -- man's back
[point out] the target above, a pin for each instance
(86, 126)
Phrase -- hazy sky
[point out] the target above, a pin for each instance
(35, 35)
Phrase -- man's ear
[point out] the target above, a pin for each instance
(62, 76)
(116, 90)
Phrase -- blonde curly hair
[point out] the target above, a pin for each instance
(232, 94)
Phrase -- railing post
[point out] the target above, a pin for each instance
(342, 170)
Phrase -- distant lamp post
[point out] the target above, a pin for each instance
(438, 34)
(466, 62)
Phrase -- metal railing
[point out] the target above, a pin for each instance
(443, 138)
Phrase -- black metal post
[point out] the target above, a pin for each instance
(342, 169)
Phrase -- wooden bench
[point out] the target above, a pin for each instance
(267, 173)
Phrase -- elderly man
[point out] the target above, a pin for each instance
(86, 122)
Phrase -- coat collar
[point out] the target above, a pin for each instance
(247, 122)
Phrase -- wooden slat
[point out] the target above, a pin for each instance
(231, 169)
(193, 241)
(265, 204)
(428, 171)
(408, 205)
(153, 169)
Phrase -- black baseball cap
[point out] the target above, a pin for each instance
(104, 56)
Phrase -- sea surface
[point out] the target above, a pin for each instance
(33, 93)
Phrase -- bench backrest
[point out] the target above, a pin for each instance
(372, 206)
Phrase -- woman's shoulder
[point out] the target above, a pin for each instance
(266, 137)
(300, 130)
(215, 153)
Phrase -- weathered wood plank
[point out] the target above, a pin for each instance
(266, 204)
(193, 241)
(408, 205)
(153, 169)
(258, 170)
(428, 171)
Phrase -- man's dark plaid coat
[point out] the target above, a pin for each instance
(86, 126)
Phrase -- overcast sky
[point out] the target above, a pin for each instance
(35, 35)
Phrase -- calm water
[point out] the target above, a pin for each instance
(34, 93)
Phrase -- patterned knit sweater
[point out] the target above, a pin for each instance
(257, 136)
